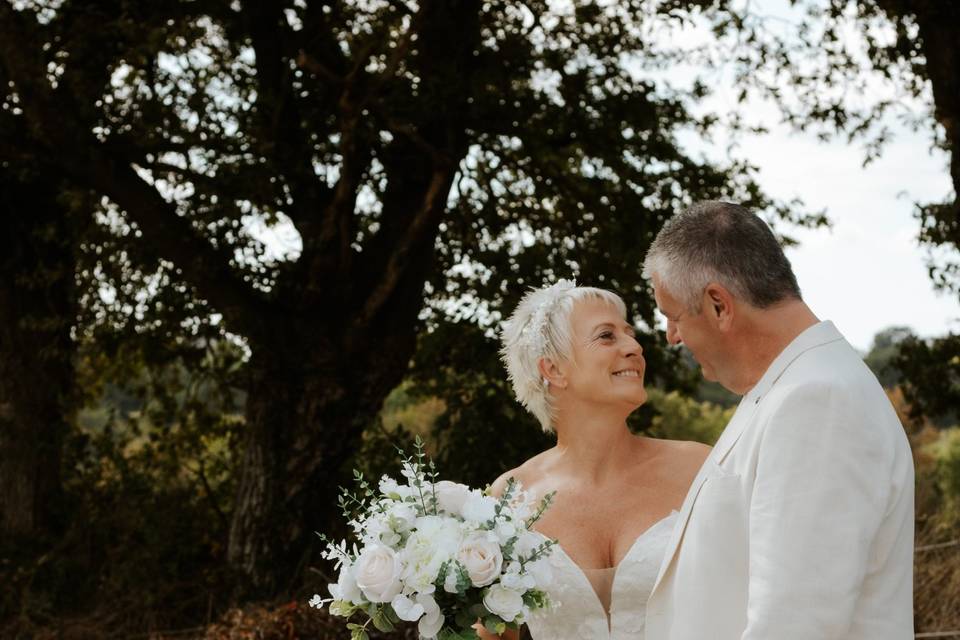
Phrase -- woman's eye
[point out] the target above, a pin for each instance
(606, 335)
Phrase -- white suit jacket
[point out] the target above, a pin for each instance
(799, 526)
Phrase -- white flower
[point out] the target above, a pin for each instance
(373, 527)
(407, 609)
(432, 620)
(451, 496)
(410, 472)
(346, 587)
(527, 542)
(504, 602)
(402, 516)
(505, 530)
(377, 572)
(541, 572)
(521, 505)
(450, 581)
(514, 578)
(435, 540)
(479, 508)
(482, 559)
(392, 489)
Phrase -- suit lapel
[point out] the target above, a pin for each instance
(814, 336)
(728, 438)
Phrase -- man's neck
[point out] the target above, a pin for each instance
(766, 334)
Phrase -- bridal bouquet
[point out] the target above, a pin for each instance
(440, 554)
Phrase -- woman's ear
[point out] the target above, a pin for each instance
(718, 305)
(551, 372)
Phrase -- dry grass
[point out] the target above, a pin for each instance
(936, 599)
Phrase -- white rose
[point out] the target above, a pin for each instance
(432, 620)
(377, 572)
(451, 496)
(482, 559)
(503, 602)
(407, 609)
(479, 508)
(346, 587)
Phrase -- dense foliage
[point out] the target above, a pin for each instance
(239, 226)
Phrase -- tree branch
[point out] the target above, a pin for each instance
(417, 237)
(282, 135)
(103, 168)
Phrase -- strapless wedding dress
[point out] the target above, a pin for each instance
(604, 604)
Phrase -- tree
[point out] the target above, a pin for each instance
(37, 398)
(883, 354)
(424, 152)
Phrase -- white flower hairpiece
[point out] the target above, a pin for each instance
(533, 335)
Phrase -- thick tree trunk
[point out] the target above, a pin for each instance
(36, 357)
(301, 431)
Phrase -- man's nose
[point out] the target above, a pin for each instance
(673, 336)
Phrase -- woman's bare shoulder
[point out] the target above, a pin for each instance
(526, 474)
(686, 454)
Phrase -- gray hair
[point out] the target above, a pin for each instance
(540, 328)
(724, 243)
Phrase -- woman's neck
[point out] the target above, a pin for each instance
(593, 444)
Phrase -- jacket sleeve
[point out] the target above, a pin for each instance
(819, 496)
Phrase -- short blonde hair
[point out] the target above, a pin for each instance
(540, 328)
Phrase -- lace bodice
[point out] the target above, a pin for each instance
(604, 604)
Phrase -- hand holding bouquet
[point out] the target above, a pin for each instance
(440, 554)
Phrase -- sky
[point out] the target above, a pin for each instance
(867, 272)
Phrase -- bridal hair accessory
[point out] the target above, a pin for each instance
(534, 334)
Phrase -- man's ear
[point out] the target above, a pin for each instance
(552, 373)
(718, 305)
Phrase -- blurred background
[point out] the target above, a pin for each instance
(251, 246)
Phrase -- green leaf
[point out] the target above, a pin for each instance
(359, 634)
(381, 620)
(342, 608)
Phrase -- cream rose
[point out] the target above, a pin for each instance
(503, 602)
(482, 559)
(451, 496)
(377, 572)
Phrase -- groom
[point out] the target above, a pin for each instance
(799, 525)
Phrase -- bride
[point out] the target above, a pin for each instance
(575, 364)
